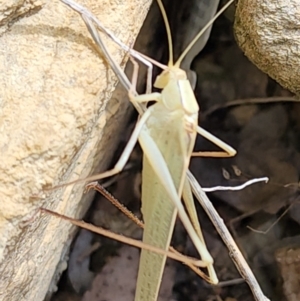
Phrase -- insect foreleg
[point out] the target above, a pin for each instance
(124, 157)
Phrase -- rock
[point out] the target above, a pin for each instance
(59, 118)
(267, 32)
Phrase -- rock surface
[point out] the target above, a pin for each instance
(56, 125)
(268, 33)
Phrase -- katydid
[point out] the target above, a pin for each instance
(169, 181)
(166, 132)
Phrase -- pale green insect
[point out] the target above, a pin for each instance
(166, 132)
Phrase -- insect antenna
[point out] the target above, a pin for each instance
(168, 30)
(188, 48)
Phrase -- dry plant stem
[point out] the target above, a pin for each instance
(238, 219)
(249, 101)
(273, 224)
(234, 251)
(96, 186)
(231, 282)
(235, 188)
(135, 243)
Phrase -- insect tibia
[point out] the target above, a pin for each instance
(171, 73)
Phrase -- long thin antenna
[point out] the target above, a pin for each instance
(168, 30)
(188, 48)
